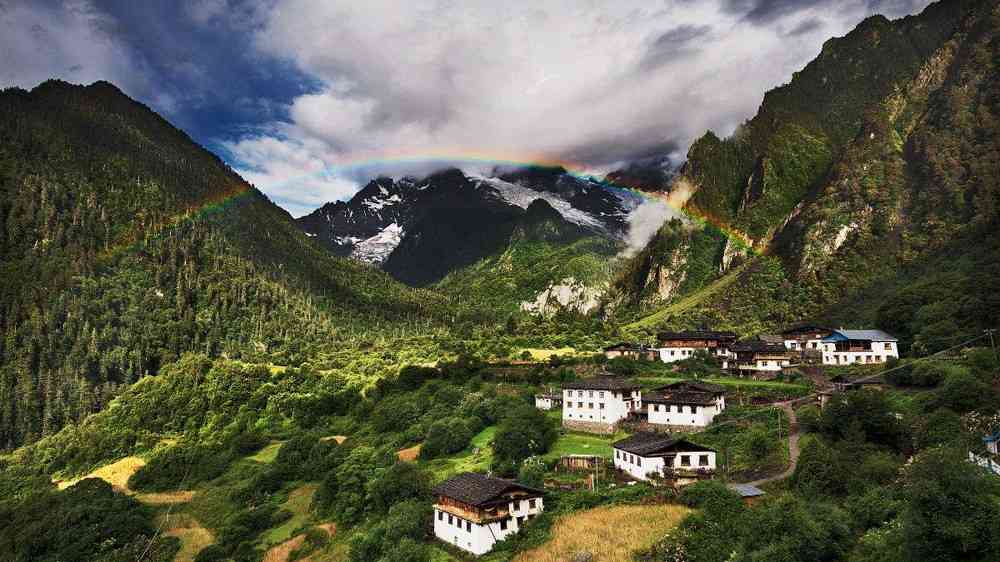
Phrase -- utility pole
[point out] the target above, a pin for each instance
(993, 343)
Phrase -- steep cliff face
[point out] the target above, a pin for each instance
(877, 155)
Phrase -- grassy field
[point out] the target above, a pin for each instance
(541, 354)
(477, 457)
(573, 443)
(116, 473)
(192, 535)
(729, 382)
(609, 533)
(298, 503)
(267, 454)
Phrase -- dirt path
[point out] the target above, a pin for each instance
(793, 447)
(283, 551)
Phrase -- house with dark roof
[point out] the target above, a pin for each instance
(474, 511)
(684, 404)
(598, 404)
(805, 337)
(849, 347)
(648, 455)
(758, 358)
(630, 351)
(677, 346)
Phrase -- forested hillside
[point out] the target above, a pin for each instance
(878, 160)
(123, 244)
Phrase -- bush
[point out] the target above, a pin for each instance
(532, 474)
(447, 436)
(181, 465)
(523, 432)
(400, 482)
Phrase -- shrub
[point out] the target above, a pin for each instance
(181, 465)
(523, 432)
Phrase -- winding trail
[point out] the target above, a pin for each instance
(793, 446)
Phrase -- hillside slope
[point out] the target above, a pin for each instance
(878, 159)
(123, 244)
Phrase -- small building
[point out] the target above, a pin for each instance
(759, 359)
(750, 494)
(805, 337)
(475, 511)
(991, 441)
(580, 462)
(850, 347)
(631, 351)
(597, 404)
(677, 346)
(548, 400)
(685, 404)
(648, 455)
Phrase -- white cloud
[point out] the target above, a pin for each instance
(557, 78)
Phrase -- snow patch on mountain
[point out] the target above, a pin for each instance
(376, 250)
(523, 196)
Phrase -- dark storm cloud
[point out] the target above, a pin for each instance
(670, 45)
(805, 26)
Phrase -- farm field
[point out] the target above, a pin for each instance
(477, 457)
(609, 533)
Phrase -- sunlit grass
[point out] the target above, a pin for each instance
(609, 533)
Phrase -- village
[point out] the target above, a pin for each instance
(474, 511)
(666, 435)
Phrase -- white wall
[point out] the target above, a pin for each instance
(599, 405)
(640, 467)
(674, 414)
(671, 354)
(479, 539)
(880, 353)
(800, 345)
(543, 403)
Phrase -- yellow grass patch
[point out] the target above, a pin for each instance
(116, 474)
(166, 498)
(610, 533)
(338, 438)
(411, 454)
(283, 551)
(192, 535)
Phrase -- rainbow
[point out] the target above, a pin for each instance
(499, 159)
(239, 190)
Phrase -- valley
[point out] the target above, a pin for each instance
(780, 344)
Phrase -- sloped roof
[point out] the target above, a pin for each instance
(478, 489)
(692, 385)
(649, 444)
(680, 397)
(862, 335)
(602, 383)
(805, 327)
(758, 346)
(771, 338)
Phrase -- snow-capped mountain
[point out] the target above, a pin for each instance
(419, 230)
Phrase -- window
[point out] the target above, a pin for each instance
(703, 460)
(468, 526)
(531, 504)
(590, 394)
(440, 516)
(450, 520)
(685, 460)
(590, 405)
(600, 394)
(600, 405)
(503, 524)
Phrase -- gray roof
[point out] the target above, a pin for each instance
(478, 489)
(649, 444)
(746, 490)
(601, 383)
(863, 335)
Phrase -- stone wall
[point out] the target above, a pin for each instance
(589, 426)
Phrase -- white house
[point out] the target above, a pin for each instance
(805, 337)
(685, 404)
(597, 404)
(677, 346)
(646, 455)
(475, 511)
(848, 347)
(548, 400)
(759, 359)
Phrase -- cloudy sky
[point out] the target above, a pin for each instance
(309, 98)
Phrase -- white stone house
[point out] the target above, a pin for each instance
(684, 404)
(548, 401)
(805, 337)
(677, 346)
(597, 404)
(759, 359)
(850, 347)
(475, 511)
(647, 456)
